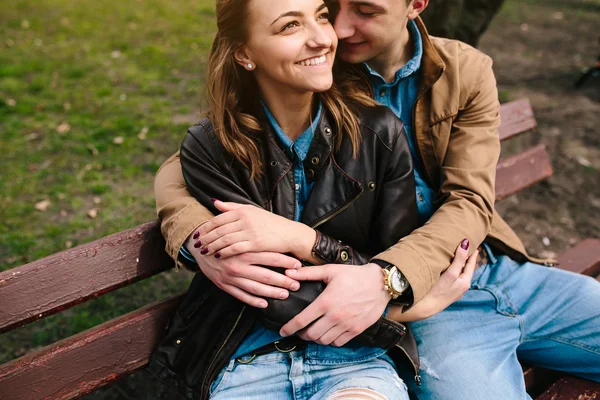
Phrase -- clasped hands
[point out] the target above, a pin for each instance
(232, 249)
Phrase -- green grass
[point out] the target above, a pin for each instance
(75, 75)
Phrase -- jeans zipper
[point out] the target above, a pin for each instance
(212, 362)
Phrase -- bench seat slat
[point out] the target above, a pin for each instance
(516, 117)
(62, 280)
(82, 363)
(522, 170)
(571, 388)
(582, 259)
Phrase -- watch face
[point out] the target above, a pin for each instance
(397, 282)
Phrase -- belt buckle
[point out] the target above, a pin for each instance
(284, 350)
(482, 258)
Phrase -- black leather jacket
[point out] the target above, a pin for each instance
(360, 207)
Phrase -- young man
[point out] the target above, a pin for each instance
(445, 92)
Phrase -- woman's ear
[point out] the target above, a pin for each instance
(243, 58)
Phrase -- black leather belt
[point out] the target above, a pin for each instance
(285, 345)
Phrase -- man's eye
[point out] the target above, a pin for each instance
(365, 13)
(290, 26)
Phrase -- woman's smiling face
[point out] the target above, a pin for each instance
(290, 45)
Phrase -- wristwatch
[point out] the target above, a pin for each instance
(394, 282)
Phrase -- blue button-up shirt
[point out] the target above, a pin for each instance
(401, 95)
(259, 336)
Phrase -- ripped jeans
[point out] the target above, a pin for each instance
(293, 376)
(546, 316)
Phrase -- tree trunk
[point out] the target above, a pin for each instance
(465, 20)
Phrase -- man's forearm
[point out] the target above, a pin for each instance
(180, 214)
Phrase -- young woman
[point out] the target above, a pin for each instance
(308, 166)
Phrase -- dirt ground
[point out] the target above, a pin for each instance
(539, 51)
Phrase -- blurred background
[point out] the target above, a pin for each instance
(96, 94)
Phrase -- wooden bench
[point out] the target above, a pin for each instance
(89, 360)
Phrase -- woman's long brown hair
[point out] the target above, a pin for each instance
(233, 92)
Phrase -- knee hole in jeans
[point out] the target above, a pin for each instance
(357, 394)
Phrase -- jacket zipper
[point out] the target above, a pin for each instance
(212, 362)
(417, 376)
(329, 217)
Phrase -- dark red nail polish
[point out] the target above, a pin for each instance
(204, 251)
(197, 235)
(218, 255)
(465, 244)
(198, 244)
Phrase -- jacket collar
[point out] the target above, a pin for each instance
(432, 65)
(319, 165)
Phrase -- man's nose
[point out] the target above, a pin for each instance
(343, 26)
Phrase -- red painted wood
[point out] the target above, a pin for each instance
(82, 363)
(522, 170)
(516, 117)
(570, 388)
(582, 259)
(62, 280)
(538, 379)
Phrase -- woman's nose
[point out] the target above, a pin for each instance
(319, 37)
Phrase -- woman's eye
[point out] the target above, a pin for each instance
(324, 16)
(290, 26)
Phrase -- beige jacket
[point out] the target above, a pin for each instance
(455, 123)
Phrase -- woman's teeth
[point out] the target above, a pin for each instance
(313, 61)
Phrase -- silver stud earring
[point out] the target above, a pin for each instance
(250, 66)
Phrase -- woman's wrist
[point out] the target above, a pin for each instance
(303, 241)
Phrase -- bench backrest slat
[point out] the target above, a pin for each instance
(516, 117)
(62, 280)
(522, 170)
(82, 363)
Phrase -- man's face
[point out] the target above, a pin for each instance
(370, 28)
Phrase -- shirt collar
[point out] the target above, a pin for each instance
(301, 146)
(413, 65)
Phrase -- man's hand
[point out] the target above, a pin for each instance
(353, 300)
(453, 284)
(244, 276)
(243, 228)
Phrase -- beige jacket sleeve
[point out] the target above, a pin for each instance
(467, 190)
(180, 214)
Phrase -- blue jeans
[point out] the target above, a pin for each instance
(546, 316)
(294, 376)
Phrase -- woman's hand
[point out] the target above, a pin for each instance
(451, 287)
(245, 276)
(246, 228)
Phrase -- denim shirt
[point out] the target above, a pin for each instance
(258, 335)
(401, 95)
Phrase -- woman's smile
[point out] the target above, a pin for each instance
(318, 61)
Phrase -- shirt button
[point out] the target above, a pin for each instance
(297, 186)
(420, 197)
(382, 92)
